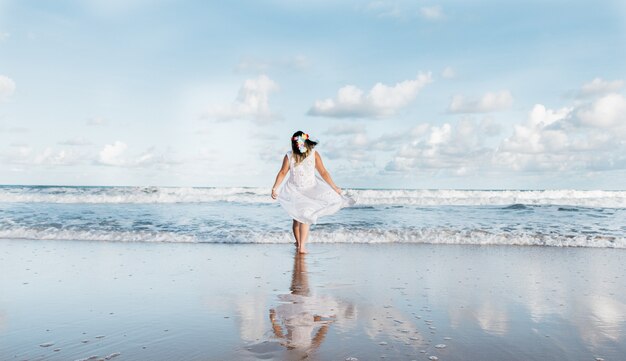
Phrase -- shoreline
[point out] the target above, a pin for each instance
(194, 301)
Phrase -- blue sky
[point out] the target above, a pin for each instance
(401, 94)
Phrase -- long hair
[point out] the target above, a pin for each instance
(299, 156)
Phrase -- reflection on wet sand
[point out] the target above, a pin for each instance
(411, 307)
(301, 321)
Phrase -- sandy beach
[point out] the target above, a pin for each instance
(71, 300)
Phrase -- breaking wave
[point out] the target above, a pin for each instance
(363, 236)
(137, 195)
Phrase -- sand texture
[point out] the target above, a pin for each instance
(71, 300)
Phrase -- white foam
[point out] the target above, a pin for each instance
(371, 236)
(598, 198)
(583, 198)
(108, 236)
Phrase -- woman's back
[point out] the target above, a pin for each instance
(302, 174)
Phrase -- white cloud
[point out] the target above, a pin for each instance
(7, 87)
(50, 157)
(458, 148)
(431, 12)
(588, 137)
(4, 35)
(599, 86)
(606, 112)
(536, 135)
(577, 139)
(252, 103)
(381, 101)
(490, 102)
(448, 73)
(113, 154)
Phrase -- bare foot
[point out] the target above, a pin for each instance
(302, 250)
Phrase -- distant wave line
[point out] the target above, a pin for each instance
(365, 197)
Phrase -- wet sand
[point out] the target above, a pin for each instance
(70, 300)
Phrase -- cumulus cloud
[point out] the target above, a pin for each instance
(608, 112)
(252, 103)
(113, 154)
(381, 100)
(52, 157)
(458, 148)
(7, 87)
(579, 138)
(490, 102)
(599, 86)
(536, 135)
(586, 137)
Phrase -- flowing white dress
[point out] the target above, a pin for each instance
(306, 196)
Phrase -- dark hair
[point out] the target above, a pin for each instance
(308, 143)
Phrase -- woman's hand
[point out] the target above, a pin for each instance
(274, 194)
(337, 189)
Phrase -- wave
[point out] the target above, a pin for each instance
(365, 197)
(516, 206)
(370, 236)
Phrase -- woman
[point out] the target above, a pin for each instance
(304, 196)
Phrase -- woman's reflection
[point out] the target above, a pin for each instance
(301, 322)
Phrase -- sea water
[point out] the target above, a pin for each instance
(574, 218)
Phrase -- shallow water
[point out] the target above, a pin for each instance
(248, 215)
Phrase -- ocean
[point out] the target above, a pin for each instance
(557, 218)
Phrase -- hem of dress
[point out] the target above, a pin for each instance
(295, 219)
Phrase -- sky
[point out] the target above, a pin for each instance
(478, 94)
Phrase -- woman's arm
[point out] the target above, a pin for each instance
(278, 331)
(319, 165)
(280, 176)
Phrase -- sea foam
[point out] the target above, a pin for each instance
(369, 236)
(120, 195)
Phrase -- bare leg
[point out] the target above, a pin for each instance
(296, 232)
(304, 236)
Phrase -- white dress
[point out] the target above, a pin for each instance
(305, 196)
